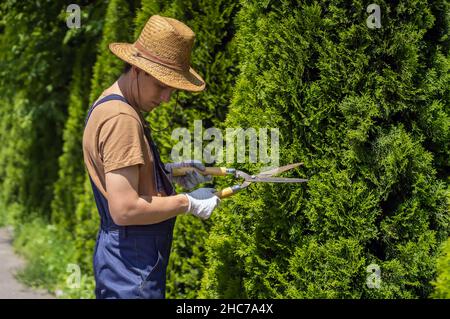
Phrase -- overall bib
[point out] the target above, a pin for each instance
(131, 261)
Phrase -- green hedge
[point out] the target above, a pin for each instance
(35, 70)
(365, 110)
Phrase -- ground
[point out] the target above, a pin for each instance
(10, 263)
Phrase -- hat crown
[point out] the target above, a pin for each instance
(168, 40)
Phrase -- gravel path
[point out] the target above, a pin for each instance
(10, 263)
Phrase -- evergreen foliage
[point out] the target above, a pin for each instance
(356, 105)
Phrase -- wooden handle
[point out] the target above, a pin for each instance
(215, 171)
(226, 192)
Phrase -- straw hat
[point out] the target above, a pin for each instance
(163, 50)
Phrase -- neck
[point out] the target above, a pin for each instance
(128, 90)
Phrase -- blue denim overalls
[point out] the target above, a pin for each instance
(131, 261)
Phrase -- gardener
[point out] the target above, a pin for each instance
(132, 188)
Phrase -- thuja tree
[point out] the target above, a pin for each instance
(366, 110)
(35, 70)
(213, 57)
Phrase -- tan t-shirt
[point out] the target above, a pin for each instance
(114, 138)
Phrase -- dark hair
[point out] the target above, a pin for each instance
(126, 68)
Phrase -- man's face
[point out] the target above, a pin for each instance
(152, 92)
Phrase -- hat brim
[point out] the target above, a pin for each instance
(184, 80)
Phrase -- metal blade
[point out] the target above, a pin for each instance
(275, 180)
(278, 170)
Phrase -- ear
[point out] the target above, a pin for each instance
(135, 70)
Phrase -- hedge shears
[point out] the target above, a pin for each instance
(265, 177)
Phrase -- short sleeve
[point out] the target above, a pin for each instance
(121, 142)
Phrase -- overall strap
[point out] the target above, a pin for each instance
(103, 100)
(163, 182)
(100, 200)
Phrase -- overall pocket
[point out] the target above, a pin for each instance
(151, 252)
(154, 284)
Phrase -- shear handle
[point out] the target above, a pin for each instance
(214, 171)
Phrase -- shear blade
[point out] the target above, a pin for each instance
(279, 170)
(276, 180)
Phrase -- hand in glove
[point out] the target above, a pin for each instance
(192, 178)
(202, 202)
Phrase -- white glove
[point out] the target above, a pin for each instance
(202, 202)
(192, 178)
